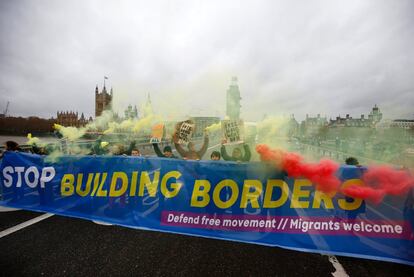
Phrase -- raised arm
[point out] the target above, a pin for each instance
(178, 147)
(247, 153)
(131, 146)
(224, 154)
(180, 150)
(203, 149)
(157, 150)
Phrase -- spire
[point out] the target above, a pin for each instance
(96, 89)
(234, 81)
(149, 99)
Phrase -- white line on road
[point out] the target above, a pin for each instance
(8, 209)
(24, 224)
(339, 269)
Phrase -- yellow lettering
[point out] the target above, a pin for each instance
(201, 189)
(234, 194)
(348, 206)
(271, 183)
(87, 189)
(118, 175)
(133, 188)
(298, 193)
(66, 185)
(174, 187)
(319, 196)
(251, 196)
(145, 181)
(101, 191)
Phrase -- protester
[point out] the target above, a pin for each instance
(100, 147)
(236, 155)
(39, 150)
(135, 152)
(12, 146)
(192, 153)
(353, 214)
(215, 156)
(167, 151)
(117, 149)
(352, 161)
(132, 146)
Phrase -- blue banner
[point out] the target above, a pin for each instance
(247, 202)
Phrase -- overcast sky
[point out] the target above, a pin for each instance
(327, 57)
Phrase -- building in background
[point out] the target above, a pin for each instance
(375, 115)
(314, 126)
(72, 119)
(147, 108)
(103, 100)
(131, 113)
(373, 119)
(202, 122)
(402, 123)
(233, 100)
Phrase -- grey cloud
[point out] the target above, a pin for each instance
(299, 57)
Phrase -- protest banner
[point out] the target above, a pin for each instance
(157, 133)
(246, 202)
(232, 131)
(184, 131)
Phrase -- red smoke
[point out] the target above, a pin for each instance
(380, 181)
(321, 174)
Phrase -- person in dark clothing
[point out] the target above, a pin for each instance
(99, 147)
(352, 161)
(167, 151)
(236, 156)
(12, 146)
(353, 214)
(192, 153)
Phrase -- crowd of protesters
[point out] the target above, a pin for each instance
(100, 147)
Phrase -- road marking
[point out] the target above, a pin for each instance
(339, 269)
(102, 223)
(24, 224)
(8, 209)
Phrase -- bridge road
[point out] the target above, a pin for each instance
(63, 246)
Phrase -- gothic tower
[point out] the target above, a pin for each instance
(103, 101)
(233, 100)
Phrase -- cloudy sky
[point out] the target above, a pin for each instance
(327, 57)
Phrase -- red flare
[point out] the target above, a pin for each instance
(381, 181)
(367, 193)
(321, 174)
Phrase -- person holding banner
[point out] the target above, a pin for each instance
(192, 153)
(236, 155)
(215, 156)
(158, 131)
(167, 151)
(135, 152)
(182, 135)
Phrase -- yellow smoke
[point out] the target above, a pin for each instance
(213, 127)
(273, 130)
(104, 144)
(34, 140)
(141, 125)
(70, 133)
